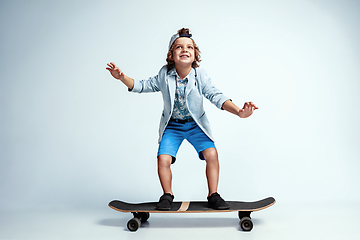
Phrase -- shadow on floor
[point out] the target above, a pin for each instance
(178, 222)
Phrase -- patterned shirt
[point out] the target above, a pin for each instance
(180, 110)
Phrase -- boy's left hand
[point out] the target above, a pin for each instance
(247, 110)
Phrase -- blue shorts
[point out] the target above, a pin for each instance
(174, 135)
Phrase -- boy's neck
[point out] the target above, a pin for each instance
(182, 71)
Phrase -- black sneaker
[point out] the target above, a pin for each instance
(216, 202)
(165, 202)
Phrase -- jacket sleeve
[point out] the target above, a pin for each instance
(153, 84)
(145, 86)
(213, 94)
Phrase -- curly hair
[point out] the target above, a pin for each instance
(170, 61)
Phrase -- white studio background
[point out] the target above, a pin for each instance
(71, 135)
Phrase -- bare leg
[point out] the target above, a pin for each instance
(164, 172)
(212, 169)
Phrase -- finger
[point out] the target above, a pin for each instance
(248, 106)
(110, 66)
(253, 106)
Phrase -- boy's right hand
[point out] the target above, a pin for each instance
(115, 71)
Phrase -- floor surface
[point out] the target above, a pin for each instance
(281, 221)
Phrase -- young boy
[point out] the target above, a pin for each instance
(183, 86)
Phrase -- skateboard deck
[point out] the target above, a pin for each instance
(141, 210)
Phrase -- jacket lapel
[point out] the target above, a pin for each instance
(172, 87)
(191, 83)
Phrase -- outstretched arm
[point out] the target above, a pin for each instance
(245, 112)
(118, 74)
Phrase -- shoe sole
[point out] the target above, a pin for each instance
(219, 208)
(163, 209)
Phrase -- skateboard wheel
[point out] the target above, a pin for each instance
(133, 224)
(246, 224)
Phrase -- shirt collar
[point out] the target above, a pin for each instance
(173, 72)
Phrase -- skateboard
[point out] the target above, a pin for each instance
(141, 211)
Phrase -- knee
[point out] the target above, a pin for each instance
(210, 155)
(164, 160)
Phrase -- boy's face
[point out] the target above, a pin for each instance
(184, 51)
